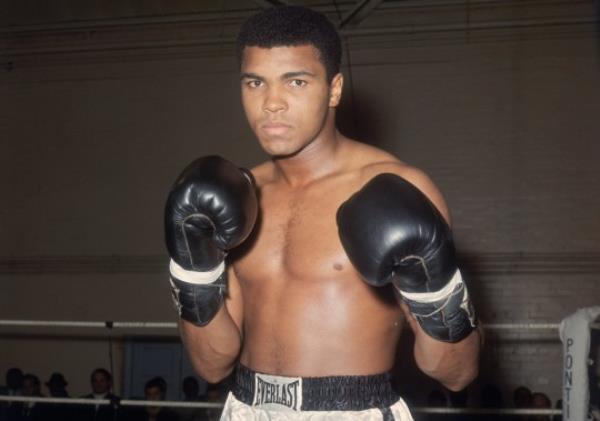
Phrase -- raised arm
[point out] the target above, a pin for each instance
(454, 364)
(211, 209)
(393, 232)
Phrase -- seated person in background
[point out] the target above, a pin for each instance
(56, 385)
(32, 411)
(191, 393)
(14, 383)
(101, 382)
(191, 389)
(521, 400)
(540, 401)
(154, 390)
(522, 397)
(215, 393)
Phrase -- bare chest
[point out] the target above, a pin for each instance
(297, 236)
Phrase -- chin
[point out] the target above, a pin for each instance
(284, 151)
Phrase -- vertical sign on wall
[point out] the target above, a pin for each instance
(575, 336)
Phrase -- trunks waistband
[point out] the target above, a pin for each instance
(331, 393)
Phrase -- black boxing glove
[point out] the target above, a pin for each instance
(211, 209)
(392, 233)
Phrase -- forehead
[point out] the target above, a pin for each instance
(279, 60)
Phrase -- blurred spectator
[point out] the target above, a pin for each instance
(101, 382)
(14, 382)
(540, 401)
(155, 390)
(191, 390)
(521, 400)
(214, 394)
(522, 397)
(13, 386)
(32, 411)
(56, 385)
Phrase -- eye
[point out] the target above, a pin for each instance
(255, 83)
(297, 83)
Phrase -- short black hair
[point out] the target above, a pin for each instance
(102, 371)
(289, 26)
(158, 382)
(34, 379)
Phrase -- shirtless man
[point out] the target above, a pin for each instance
(317, 241)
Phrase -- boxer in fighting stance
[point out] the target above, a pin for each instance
(282, 274)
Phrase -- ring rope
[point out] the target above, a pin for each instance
(120, 402)
(90, 324)
(181, 404)
(174, 325)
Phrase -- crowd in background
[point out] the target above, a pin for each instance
(19, 384)
(491, 398)
(155, 389)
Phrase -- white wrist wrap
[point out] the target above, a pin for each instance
(194, 277)
(433, 297)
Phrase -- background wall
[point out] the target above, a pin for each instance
(97, 119)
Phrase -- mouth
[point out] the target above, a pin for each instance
(275, 128)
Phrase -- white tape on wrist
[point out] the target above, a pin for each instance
(194, 277)
(435, 296)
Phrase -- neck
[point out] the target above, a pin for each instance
(318, 159)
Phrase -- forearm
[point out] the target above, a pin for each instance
(214, 348)
(454, 365)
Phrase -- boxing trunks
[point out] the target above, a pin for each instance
(257, 396)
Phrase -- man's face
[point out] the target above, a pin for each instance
(30, 388)
(100, 384)
(286, 96)
(153, 394)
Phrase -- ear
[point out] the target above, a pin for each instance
(335, 90)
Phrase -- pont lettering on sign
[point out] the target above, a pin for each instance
(275, 391)
(568, 380)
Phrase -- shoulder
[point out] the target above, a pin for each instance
(413, 175)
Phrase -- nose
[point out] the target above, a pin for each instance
(274, 101)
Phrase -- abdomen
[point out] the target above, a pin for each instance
(318, 327)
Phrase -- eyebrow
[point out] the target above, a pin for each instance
(288, 75)
(250, 76)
